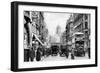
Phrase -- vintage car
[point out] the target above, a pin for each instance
(54, 50)
(64, 52)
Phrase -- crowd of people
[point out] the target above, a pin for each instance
(38, 52)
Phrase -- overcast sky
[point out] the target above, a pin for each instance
(52, 20)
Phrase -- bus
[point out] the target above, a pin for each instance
(78, 44)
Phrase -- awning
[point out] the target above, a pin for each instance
(38, 40)
(78, 33)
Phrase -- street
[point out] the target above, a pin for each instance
(58, 58)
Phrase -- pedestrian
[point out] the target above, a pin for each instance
(67, 53)
(89, 52)
(72, 54)
(32, 54)
(38, 54)
(26, 55)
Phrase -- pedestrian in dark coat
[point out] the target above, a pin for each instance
(32, 54)
(67, 53)
(89, 53)
(26, 55)
(72, 53)
(38, 55)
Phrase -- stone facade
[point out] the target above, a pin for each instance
(78, 23)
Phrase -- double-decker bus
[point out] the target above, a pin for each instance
(78, 44)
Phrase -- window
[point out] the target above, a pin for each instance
(86, 32)
(86, 17)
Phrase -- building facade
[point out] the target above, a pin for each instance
(63, 38)
(37, 27)
(78, 23)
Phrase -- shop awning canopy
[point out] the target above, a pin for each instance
(38, 40)
(78, 33)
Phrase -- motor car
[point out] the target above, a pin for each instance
(48, 51)
(64, 52)
(54, 50)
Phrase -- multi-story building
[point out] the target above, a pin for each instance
(86, 30)
(82, 24)
(40, 25)
(63, 38)
(79, 23)
(36, 25)
(69, 30)
(27, 27)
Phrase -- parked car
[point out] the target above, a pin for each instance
(54, 50)
(64, 52)
(48, 51)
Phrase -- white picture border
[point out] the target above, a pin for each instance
(22, 64)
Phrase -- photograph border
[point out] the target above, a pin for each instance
(14, 35)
